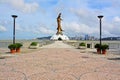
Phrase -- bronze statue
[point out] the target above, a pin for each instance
(59, 29)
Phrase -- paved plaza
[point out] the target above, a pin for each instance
(58, 61)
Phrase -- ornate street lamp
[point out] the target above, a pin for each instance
(100, 17)
(14, 16)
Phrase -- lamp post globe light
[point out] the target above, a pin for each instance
(100, 17)
(14, 17)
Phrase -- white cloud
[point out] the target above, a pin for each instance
(18, 27)
(107, 33)
(86, 16)
(2, 28)
(43, 30)
(38, 29)
(22, 5)
(117, 19)
(80, 28)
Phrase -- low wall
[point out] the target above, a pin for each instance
(90, 44)
(26, 43)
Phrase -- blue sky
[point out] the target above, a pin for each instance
(37, 18)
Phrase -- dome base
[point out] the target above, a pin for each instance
(59, 37)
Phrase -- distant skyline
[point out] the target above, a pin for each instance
(37, 18)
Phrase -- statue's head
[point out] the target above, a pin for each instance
(59, 14)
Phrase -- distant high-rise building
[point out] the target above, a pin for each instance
(86, 37)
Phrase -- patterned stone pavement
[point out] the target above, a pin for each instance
(58, 64)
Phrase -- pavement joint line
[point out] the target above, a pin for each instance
(25, 77)
(54, 73)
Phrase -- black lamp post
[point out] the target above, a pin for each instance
(100, 17)
(14, 16)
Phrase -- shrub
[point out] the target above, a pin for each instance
(12, 46)
(34, 44)
(97, 46)
(82, 44)
(104, 47)
(18, 45)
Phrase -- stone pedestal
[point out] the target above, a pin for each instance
(59, 37)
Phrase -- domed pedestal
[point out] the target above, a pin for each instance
(59, 37)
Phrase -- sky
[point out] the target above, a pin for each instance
(37, 18)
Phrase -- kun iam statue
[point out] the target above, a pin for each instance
(59, 35)
(59, 29)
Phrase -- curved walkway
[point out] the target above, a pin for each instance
(58, 64)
